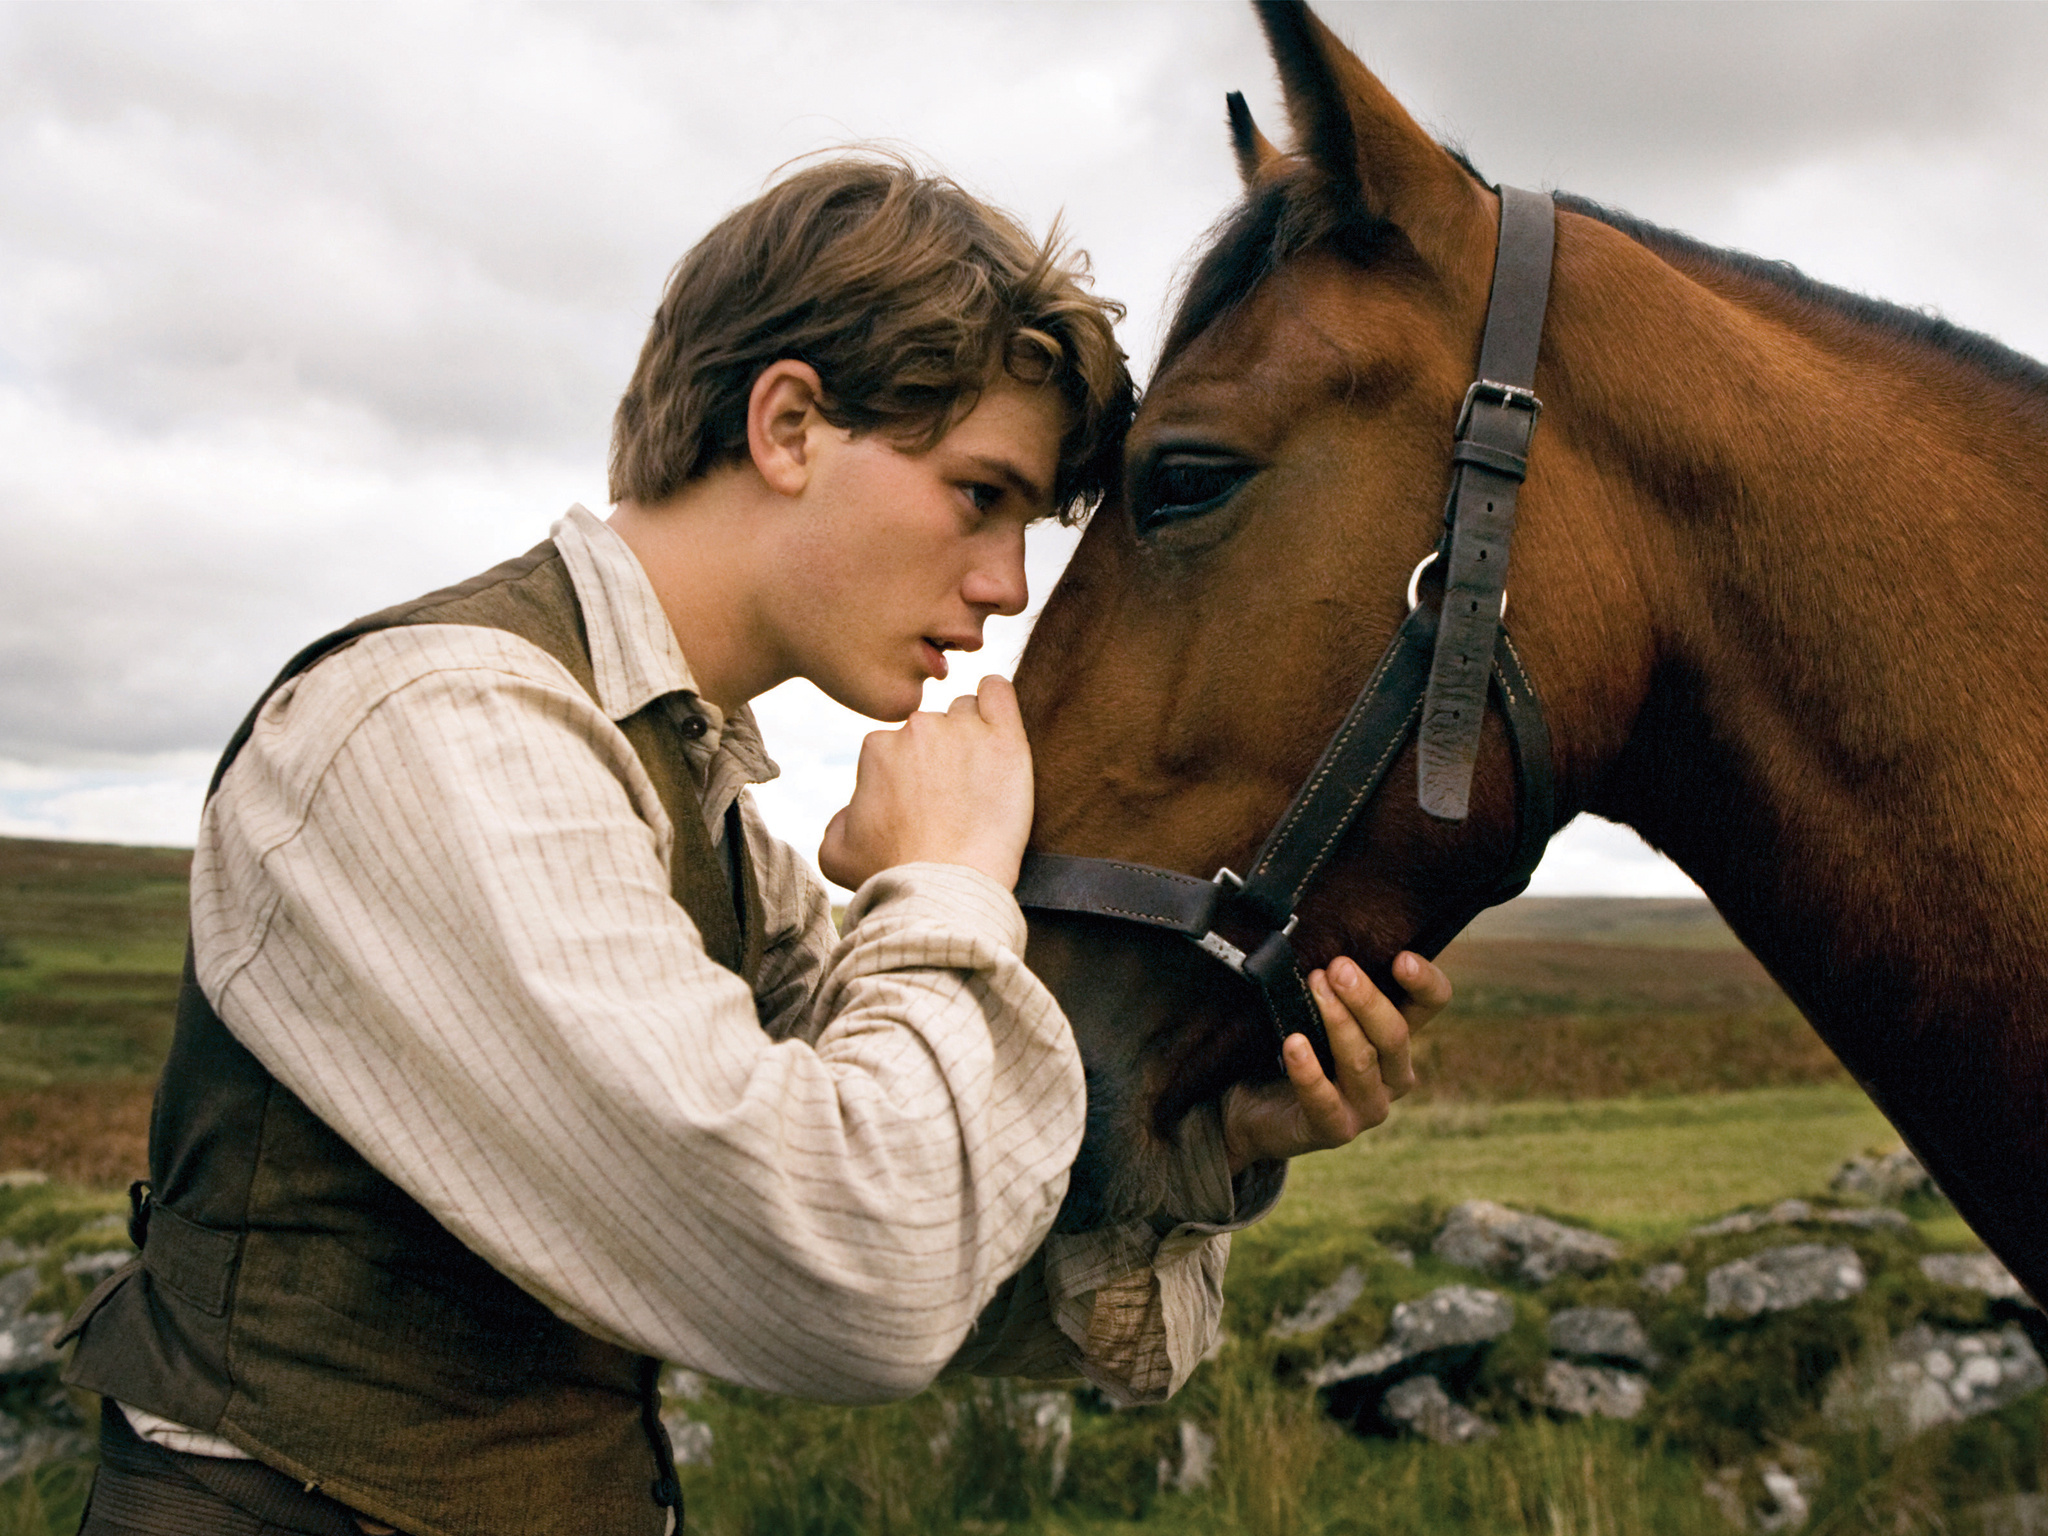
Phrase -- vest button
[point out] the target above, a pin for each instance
(693, 726)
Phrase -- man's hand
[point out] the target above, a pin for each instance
(945, 789)
(1369, 1038)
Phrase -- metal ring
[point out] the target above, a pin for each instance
(1415, 585)
(1415, 579)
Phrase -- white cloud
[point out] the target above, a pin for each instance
(1964, 244)
(151, 801)
(156, 580)
(1592, 857)
(1665, 107)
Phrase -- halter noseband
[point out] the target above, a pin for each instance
(1438, 670)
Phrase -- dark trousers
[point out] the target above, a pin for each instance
(144, 1490)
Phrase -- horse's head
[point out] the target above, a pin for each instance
(1285, 474)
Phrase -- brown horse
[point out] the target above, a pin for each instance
(1778, 579)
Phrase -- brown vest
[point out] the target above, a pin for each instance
(293, 1300)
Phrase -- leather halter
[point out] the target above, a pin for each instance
(1433, 679)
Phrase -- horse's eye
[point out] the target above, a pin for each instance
(1176, 486)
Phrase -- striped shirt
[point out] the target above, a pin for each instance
(432, 898)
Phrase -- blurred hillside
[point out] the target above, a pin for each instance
(1578, 997)
(1558, 998)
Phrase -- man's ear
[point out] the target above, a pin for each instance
(782, 421)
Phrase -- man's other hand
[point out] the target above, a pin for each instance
(942, 789)
(1369, 1039)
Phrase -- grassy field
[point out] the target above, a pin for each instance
(1645, 1170)
(1641, 1168)
(92, 939)
(1593, 998)
(1648, 922)
(1622, 1064)
(953, 1458)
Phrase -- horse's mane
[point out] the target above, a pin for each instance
(1920, 326)
(1295, 215)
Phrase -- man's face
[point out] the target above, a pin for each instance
(899, 557)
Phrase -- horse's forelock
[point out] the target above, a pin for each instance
(1287, 218)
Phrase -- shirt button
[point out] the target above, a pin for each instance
(693, 726)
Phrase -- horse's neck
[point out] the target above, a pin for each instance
(1845, 738)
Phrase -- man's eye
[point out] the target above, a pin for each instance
(984, 498)
(1181, 486)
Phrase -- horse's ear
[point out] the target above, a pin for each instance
(1350, 127)
(1255, 152)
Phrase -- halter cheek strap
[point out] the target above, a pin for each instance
(1433, 680)
(1488, 463)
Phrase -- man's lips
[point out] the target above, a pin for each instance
(934, 647)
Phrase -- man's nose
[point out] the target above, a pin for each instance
(997, 581)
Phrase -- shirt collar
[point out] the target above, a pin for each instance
(634, 657)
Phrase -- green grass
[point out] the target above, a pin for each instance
(92, 894)
(1282, 1467)
(955, 1459)
(1638, 1168)
(92, 939)
(1644, 922)
(1646, 1170)
(49, 1501)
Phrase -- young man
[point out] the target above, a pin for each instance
(516, 1056)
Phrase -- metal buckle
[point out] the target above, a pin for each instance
(1215, 945)
(1415, 584)
(1495, 393)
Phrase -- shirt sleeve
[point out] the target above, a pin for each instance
(801, 937)
(431, 897)
(1132, 1308)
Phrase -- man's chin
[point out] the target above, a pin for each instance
(889, 704)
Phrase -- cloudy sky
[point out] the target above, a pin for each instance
(305, 309)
